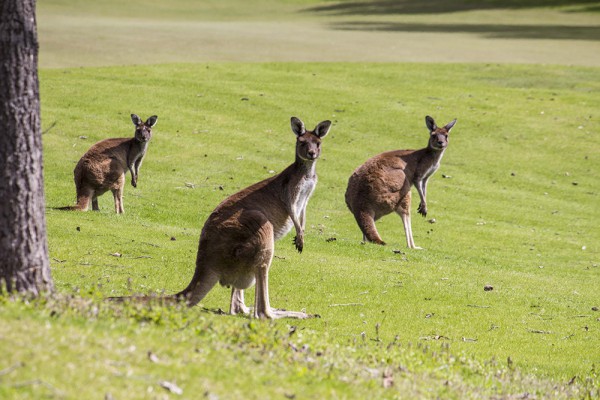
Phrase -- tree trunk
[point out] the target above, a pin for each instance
(24, 262)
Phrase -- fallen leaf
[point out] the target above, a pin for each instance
(152, 357)
(388, 379)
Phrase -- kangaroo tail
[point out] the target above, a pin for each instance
(203, 281)
(82, 205)
(163, 300)
(67, 208)
(83, 202)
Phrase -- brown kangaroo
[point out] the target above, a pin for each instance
(238, 239)
(104, 165)
(382, 184)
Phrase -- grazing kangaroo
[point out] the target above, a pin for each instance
(104, 165)
(382, 184)
(238, 239)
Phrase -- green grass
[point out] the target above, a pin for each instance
(509, 216)
(517, 211)
(77, 33)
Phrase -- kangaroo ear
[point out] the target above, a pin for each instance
(449, 125)
(298, 126)
(136, 120)
(430, 123)
(322, 129)
(151, 121)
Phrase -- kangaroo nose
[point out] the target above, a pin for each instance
(312, 154)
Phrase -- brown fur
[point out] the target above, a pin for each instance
(382, 184)
(104, 165)
(238, 240)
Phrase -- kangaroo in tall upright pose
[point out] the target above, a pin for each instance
(104, 165)
(382, 184)
(238, 239)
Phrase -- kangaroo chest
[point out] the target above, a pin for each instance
(137, 151)
(429, 168)
(302, 193)
(297, 198)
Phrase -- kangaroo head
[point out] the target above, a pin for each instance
(143, 130)
(438, 138)
(308, 143)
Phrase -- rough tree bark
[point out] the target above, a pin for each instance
(24, 262)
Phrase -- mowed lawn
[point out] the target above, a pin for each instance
(514, 206)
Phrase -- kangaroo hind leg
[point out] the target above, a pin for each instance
(118, 195)
(366, 223)
(265, 243)
(404, 211)
(84, 195)
(237, 305)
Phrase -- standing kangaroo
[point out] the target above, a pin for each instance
(238, 239)
(104, 165)
(382, 184)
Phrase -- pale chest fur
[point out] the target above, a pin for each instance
(298, 196)
(303, 192)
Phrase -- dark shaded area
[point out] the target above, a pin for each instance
(386, 7)
(490, 31)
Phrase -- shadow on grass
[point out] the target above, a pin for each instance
(489, 31)
(386, 7)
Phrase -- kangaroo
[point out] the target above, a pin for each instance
(104, 165)
(238, 239)
(382, 184)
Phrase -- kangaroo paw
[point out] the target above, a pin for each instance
(299, 243)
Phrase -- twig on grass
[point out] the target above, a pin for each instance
(52, 125)
(346, 304)
(10, 369)
(538, 331)
(35, 382)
